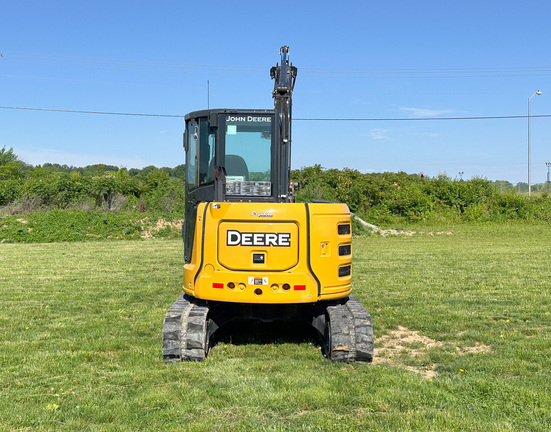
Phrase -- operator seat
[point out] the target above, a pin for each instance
(236, 166)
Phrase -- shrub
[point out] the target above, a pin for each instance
(10, 190)
(388, 197)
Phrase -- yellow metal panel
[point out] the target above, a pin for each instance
(300, 244)
(325, 241)
(276, 243)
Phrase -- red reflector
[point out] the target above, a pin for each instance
(218, 285)
(299, 287)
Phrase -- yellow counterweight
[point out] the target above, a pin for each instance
(271, 253)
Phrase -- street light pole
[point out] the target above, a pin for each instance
(537, 92)
(548, 165)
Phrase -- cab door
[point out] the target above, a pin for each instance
(200, 148)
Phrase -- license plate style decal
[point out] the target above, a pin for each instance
(253, 280)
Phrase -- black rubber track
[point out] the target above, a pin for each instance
(349, 332)
(185, 330)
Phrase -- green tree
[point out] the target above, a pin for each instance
(522, 187)
(504, 185)
(7, 156)
(11, 170)
(179, 171)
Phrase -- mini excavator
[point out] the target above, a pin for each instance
(251, 251)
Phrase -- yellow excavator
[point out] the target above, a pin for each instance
(251, 251)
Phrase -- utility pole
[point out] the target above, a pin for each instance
(548, 165)
(461, 175)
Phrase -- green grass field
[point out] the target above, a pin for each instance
(462, 326)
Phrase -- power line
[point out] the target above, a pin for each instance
(425, 118)
(96, 112)
(297, 118)
(251, 70)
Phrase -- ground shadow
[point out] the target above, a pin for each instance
(246, 332)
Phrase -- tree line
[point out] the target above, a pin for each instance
(384, 198)
(393, 197)
(25, 188)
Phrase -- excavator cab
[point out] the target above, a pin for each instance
(251, 251)
(232, 156)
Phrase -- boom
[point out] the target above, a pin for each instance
(284, 77)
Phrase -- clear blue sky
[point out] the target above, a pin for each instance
(356, 59)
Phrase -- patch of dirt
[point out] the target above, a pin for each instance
(477, 349)
(404, 341)
(149, 232)
(392, 232)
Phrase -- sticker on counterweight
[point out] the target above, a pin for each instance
(258, 280)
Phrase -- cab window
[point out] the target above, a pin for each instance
(191, 155)
(200, 155)
(248, 141)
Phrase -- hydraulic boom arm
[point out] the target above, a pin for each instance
(284, 76)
